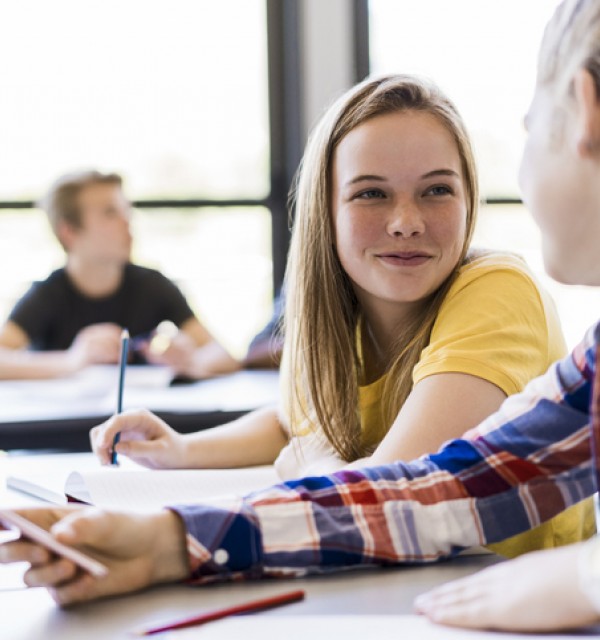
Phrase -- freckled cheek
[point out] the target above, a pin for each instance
(354, 235)
(450, 234)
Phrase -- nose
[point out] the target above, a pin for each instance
(405, 221)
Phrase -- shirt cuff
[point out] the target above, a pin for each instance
(222, 544)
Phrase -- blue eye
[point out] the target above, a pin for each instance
(439, 190)
(370, 194)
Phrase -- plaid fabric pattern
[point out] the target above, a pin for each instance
(520, 467)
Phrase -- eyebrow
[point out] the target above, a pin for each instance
(429, 174)
(366, 177)
(441, 172)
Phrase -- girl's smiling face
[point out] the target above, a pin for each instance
(399, 209)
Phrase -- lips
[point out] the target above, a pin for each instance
(404, 258)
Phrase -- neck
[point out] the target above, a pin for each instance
(96, 280)
(377, 343)
(380, 334)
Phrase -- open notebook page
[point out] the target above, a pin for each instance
(129, 486)
(142, 490)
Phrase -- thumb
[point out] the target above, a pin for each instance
(151, 453)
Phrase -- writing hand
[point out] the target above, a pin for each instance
(144, 438)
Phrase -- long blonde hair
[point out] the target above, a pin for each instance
(322, 311)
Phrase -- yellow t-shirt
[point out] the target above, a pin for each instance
(497, 324)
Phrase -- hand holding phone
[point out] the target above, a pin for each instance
(12, 520)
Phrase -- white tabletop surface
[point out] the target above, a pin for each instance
(384, 595)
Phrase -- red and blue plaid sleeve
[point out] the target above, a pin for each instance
(520, 467)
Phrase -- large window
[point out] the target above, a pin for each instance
(172, 95)
(134, 86)
(483, 54)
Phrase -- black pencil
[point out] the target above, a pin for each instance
(122, 365)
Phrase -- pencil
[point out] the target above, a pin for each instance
(217, 614)
(122, 365)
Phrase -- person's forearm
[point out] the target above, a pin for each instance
(495, 482)
(264, 355)
(211, 360)
(30, 365)
(256, 438)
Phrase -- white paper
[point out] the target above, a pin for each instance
(129, 486)
(142, 490)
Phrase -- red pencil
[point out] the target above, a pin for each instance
(209, 616)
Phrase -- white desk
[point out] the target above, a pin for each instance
(58, 414)
(32, 615)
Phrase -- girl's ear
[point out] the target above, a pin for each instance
(587, 128)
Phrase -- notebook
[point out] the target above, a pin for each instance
(135, 488)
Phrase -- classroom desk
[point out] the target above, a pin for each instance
(362, 604)
(58, 414)
(31, 615)
(368, 604)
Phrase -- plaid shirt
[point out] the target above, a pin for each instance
(520, 467)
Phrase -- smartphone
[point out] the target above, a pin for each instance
(12, 520)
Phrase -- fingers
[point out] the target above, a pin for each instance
(476, 601)
(470, 615)
(139, 550)
(149, 453)
(45, 567)
(82, 589)
(137, 424)
(24, 551)
(51, 574)
(99, 343)
(102, 438)
(46, 570)
(459, 603)
(126, 544)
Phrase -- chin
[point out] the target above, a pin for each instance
(567, 272)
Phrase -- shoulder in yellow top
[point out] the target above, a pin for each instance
(495, 323)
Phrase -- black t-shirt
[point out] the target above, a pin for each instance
(53, 312)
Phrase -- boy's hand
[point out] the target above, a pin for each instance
(139, 550)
